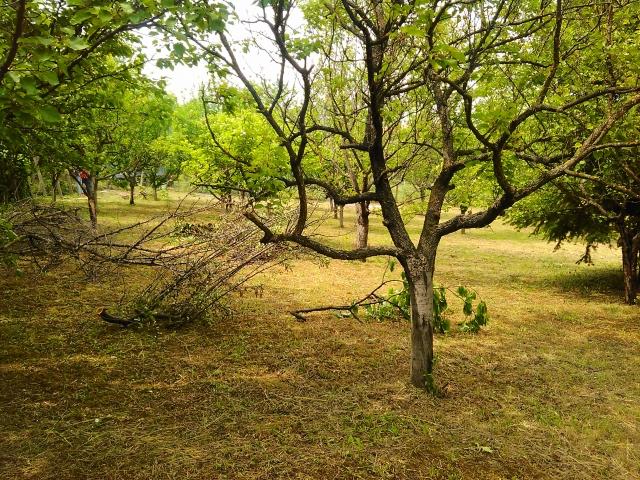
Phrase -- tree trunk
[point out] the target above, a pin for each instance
(92, 200)
(421, 290)
(331, 204)
(155, 193)
(629, 268)
(341, 215)
(362, 225)
(14, 179)
(132, 187)
(423, 194)
(55, 186)
(42, 188)
(58, 187)
(93, 209)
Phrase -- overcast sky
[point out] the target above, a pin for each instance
(184, 82)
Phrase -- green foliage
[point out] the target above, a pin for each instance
(397, 304)
(474, 318)
(560, 217)
(7, 237)
(240, 150)
(441, 324)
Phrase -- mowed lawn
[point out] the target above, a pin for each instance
(550, 389)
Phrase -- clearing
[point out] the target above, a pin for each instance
(549, 389)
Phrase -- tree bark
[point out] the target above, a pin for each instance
(155, 193)
(629, 266)
(421, 291)
(55, 186)
(92, 200)
(93, 209)
(14, 180)
(362, 225)
(341, 215)
(132, 187)
(42, 188)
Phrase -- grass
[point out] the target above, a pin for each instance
(550, 389)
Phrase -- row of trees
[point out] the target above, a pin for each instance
(489, 103)
(74, 101)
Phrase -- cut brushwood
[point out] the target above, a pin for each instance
(107, 317)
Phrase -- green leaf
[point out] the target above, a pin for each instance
(50, 77)
(15, 76)
(414, 31)
(127, 8)
(80, 17)
(467, 308)
(50, 114)
(77, 43)
(29, 85)
(179, 49)
(41, 40)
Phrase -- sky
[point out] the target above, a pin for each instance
(184, 81)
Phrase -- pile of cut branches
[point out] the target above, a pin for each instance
(196, 266)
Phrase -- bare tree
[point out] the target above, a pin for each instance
(438, 61)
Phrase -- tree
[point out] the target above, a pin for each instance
(144, 119)
(597, 203)
(50, 52)
(489, 70)
(166, 158)
(600, 198)
(243, 154)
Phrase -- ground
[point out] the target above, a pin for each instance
(550, 389)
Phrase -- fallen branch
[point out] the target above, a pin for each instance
(370, 299)
(107, 317)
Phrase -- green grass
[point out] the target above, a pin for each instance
(549, 389)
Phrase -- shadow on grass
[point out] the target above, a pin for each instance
(587, 282)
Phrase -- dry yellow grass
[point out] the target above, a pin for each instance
(550, 389)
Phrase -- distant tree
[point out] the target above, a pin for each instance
(598, 203)
(166, 159)
(243, 155)
(144, 118)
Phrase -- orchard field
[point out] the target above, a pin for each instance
(549, 389)
(352, 288)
